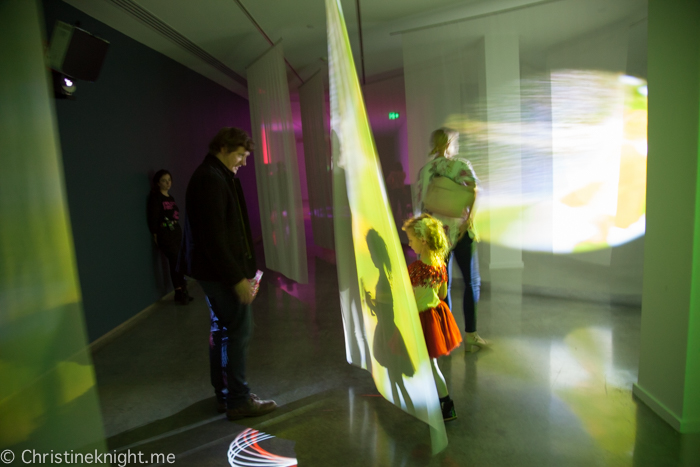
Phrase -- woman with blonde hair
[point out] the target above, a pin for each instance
(448, 173)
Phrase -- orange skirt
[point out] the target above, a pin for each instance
(441, 333)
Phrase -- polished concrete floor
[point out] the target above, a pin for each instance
(555, 390)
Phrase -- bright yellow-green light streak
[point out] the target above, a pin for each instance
(389, 328)
(48, 397)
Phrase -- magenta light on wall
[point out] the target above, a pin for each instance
(393, 115)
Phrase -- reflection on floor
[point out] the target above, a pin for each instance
(554, 391)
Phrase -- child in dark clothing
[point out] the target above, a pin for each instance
(163, 222)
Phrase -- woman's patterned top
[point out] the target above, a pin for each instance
(426, 281)
(456, 169)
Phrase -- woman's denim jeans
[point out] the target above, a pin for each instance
(467, 259)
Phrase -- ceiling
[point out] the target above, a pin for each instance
(221, 38)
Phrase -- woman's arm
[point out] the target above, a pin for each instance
(460, 171)
(463, 173)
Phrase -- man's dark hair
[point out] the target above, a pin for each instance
(230, 138)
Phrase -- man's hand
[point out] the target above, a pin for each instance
(244, 290)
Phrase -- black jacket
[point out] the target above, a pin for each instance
(217, 243)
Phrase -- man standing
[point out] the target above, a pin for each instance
(218, 251)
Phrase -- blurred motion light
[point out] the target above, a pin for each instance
(630, 80)
(583, 145)
(393, 115)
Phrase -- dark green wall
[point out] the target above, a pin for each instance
(144, 113)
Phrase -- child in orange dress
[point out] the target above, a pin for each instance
(428, 274)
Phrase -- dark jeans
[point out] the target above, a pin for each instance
(218, 343)
(236, 324)
(468, 263)
(169, 244)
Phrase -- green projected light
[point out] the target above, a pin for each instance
(383, 333)
(48, 392)
(393, 115)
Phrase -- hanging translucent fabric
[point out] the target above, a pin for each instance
(318, 160)
(48, 393)
(276, 169)
(382, 328)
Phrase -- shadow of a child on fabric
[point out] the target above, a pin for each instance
(357, 347)
(388, 346)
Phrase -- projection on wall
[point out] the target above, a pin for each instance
(382, 328)
(583, 143)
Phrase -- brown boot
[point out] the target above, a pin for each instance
(253, 407)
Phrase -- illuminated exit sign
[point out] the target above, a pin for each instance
(393, 115)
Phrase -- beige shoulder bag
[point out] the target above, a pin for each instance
(448, 198)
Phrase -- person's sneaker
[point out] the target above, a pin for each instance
(448, 410)
(253, 407)
(472, 339)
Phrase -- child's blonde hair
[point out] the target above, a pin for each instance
(426, 228)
